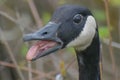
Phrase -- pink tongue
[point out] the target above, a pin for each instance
(38, 48)
(31, 53)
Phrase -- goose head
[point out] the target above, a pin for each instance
(70, 26)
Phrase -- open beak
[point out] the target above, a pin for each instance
(47, 41)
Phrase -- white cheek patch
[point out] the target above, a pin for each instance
(86, 36)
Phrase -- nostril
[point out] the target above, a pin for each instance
(44, 33)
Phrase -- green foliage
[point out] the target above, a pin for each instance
(24, 49)
(62, 2)
(103, 32)
(46, 17)
(115, 2)
(99, 15)
(71, 50)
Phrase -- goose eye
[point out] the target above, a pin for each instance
(77, 18)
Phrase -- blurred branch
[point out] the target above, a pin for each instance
(48, 75)
(70, 63)
(114, 44)
(106, 3)
(22, 68)
(8, 17)
(119, 22)
(69, 70)
(38, 78)
(35, 12)
(11, 55)
(101, 69)
(29, 72)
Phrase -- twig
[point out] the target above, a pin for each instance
(8, 17)
(119, 23)
(101, 64)
(11, 55)
(42, 74)
(106, 3)
(101, 70)
(70, 63)
(35, 13)
(29, 63)
(114, 44)
(22, 68)
(38, 77)
(29, 72)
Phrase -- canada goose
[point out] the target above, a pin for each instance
(70, 26)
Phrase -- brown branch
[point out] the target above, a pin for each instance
(11, 55)
(8, 17)
(101, 70)
(114, 44)
(38, 77)
(119, 23)
(13, 66)
(41, 74)
(35, 12)
(29, 72)
(106, 3)
(70, 63)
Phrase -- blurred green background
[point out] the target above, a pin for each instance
(18, 17)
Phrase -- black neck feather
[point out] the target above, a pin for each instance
(88, 61)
